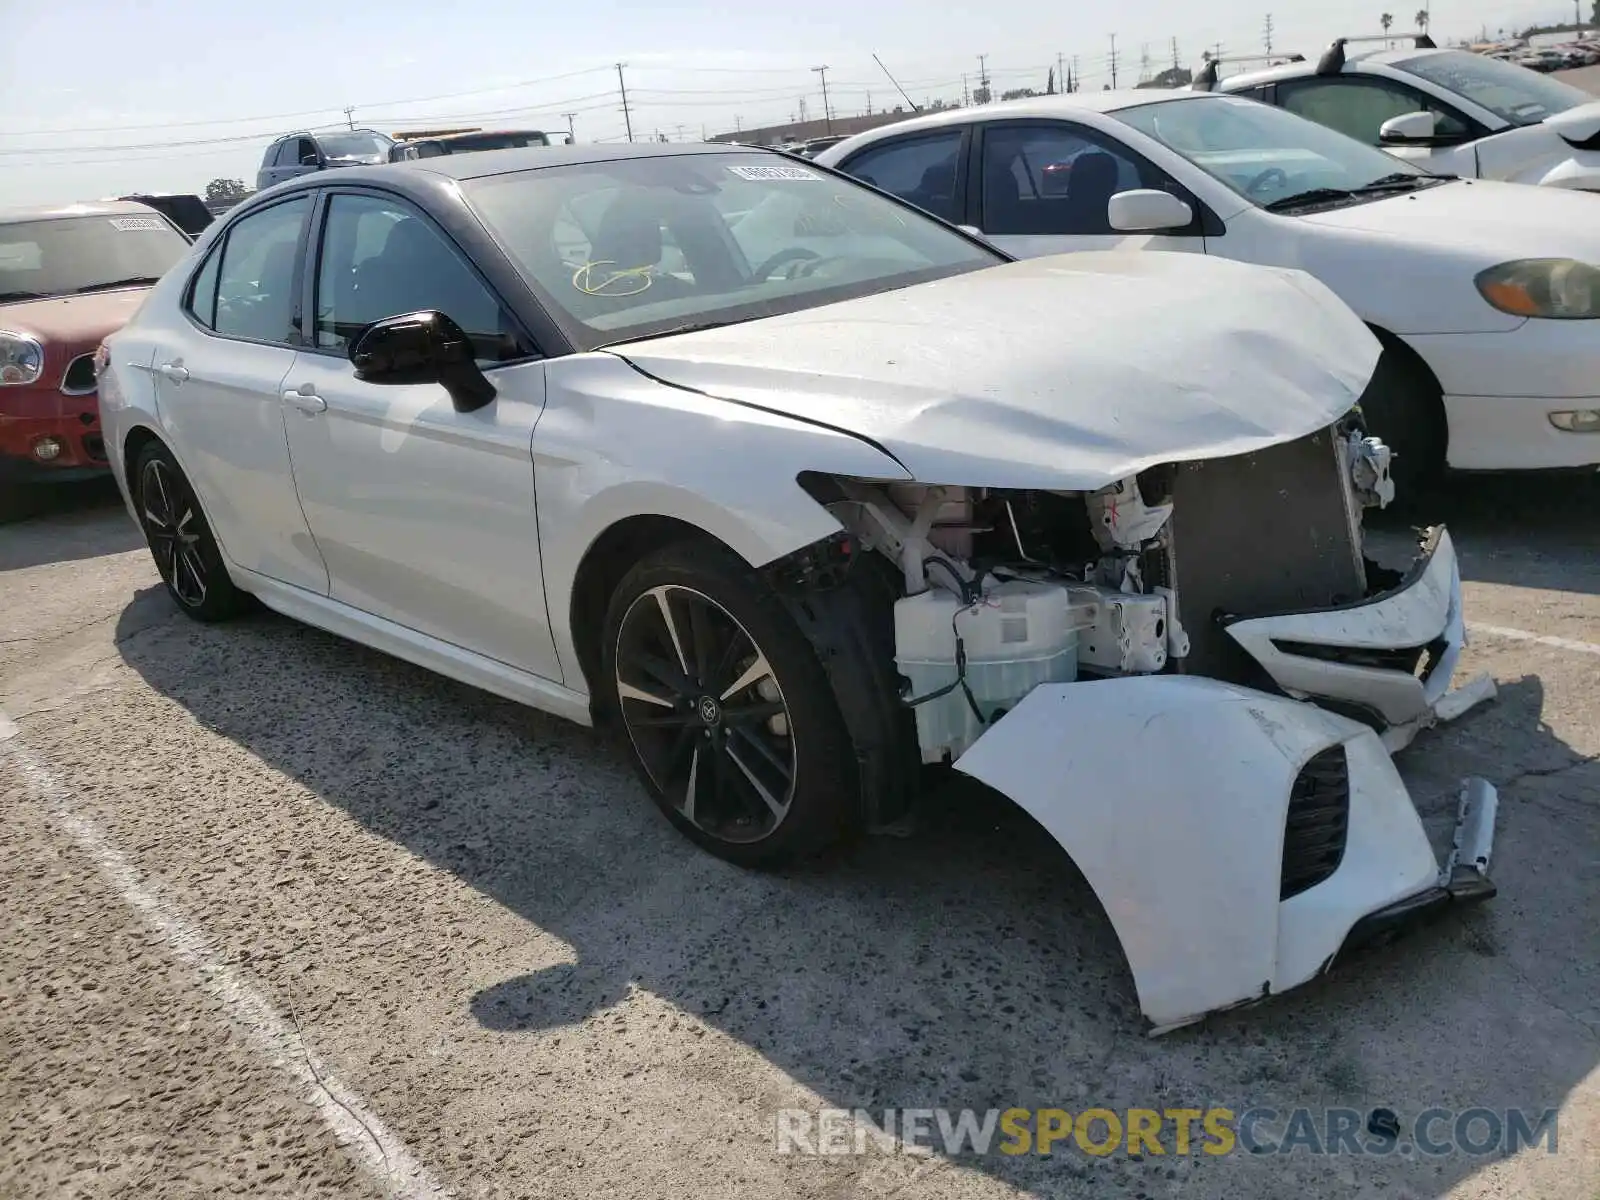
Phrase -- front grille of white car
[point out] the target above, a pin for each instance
(1318, 823)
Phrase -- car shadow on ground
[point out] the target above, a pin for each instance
(1533, 531)
(76, 517)
(967, 966)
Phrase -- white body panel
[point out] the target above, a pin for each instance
(425, 515)
(1404, 263)
(1210, 765)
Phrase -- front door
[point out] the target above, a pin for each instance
(218, 387)
(425, 515)
(1045, 187)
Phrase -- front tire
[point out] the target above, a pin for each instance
(185, 552)
(732, 722)
(1403, 406)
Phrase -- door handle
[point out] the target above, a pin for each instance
(306, 400)
(174, 371)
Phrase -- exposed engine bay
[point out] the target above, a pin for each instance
(1006, 590)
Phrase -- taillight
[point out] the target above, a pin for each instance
(102, 359)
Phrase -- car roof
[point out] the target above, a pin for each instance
(1383, 58)
(1068, 105)
(523, 158)
(482, 133)
(100, 208)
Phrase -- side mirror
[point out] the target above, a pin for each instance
(422, 347)
(1408, 127)
(974, 231)
(1146, 210)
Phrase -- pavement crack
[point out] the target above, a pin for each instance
(57, 635)
(1550, 772)
(311, 1066)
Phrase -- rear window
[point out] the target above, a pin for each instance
(495, 141)
(63, 256)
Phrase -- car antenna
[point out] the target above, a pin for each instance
(1332, 60)
(914, 106)
(1206, 80)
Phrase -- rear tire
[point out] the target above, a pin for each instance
(733, 725)
(1403, 406)
(180, 540)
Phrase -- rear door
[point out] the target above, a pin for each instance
(1044, 187)
(219, 381)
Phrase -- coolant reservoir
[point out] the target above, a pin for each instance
(1021, 634)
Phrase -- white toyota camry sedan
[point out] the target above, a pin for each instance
(800, 489)
(1486, 295)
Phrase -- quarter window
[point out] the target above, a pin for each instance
(381, 258)
(203, 292)
(920, 170)
(1358, 106)
(255, 279)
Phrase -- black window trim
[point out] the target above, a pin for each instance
(1206, 223)
(220, 248)
(960, 202)
(307, 285)
(1475, 129)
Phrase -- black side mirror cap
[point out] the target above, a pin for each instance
(422, 347)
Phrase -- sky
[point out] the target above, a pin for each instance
(101, 99)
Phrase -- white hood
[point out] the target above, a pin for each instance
(1068, 372)
(1487, 220)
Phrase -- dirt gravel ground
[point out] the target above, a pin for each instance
(285, 917)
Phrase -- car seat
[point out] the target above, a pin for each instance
(1092, 184)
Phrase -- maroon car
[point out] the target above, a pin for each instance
(68, 277)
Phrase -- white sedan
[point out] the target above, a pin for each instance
(1451, 111)
(1486, 295)
(801, 489)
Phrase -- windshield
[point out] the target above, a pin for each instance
(64, 255)
(638, 246)
(1514, 93)
(359, 146)
(1267, 155)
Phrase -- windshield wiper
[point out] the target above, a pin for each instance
(1321, 195)
(689, 327)
(8, 296)
(106, 284)
(1400, 180)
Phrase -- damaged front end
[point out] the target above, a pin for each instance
(1225, 786)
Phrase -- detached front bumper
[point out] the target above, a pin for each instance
(1239, 842)
(1390, 658)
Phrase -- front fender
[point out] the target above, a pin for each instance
(1171, 794)
(613, 443)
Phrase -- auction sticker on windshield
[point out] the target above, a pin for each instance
(766, 173)
(126, 223)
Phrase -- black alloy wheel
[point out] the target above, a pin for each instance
(731, 719)
(185, 553)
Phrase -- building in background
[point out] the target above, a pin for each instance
(800, 131)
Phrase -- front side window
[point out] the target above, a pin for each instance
(66, 256)
(381, 258)
(1513, 93)
(1358, 105)
(255, 278)
(1268, 155)
(920, 170)
(636, 246)
(1052, 179)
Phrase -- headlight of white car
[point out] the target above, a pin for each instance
(1556, 288)
(21, 359)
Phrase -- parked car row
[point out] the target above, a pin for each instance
(302, 153)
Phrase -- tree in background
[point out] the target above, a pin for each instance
(1386, 20)
(219, 190)
(1422, 20)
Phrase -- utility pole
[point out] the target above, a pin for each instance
(1113, 61)
(1077, 74)
(571, 136)
(679, 128)
(1174, 54)
(1061, 72)
(827, 109)
(350, 118)
(627, 117)
(738, 123)
(983, 77)
(1144, 61)
(1266, 33)
(966, 99)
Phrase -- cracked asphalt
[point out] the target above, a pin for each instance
(460, 924)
